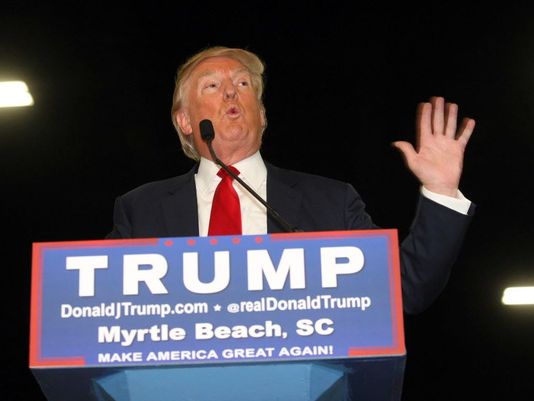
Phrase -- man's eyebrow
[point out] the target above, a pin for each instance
(208, 73)
(241, 70)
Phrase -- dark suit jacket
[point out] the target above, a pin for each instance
(168, 208)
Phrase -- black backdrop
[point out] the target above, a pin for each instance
(342, 83)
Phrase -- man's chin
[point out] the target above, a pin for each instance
(232, 151)
(236, 134)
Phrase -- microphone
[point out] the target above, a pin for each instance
(207, 134)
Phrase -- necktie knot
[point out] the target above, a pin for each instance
(224, 174)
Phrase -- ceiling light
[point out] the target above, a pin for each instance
(518, 296)
(15, 94)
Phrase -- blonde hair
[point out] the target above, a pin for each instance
(250, 61)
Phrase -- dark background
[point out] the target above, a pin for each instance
(342, 84)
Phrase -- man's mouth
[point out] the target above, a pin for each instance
(233, 111)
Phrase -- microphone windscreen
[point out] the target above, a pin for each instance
(206, 130)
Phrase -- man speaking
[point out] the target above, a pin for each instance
(220, 118)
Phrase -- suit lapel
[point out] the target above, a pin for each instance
(180, 207)
(283, 197)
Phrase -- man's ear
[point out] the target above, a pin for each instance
(263, 119)
(184, 122)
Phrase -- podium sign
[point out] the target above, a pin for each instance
(216, 300)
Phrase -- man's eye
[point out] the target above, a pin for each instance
(210, 85)
(243, 83)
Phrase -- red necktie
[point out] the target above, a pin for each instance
(225, 218)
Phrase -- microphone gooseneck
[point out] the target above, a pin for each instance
(208, 134)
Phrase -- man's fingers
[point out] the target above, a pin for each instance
(438, 112)
(424, 122)
(465, 131)
(407, 150)
(451, 116)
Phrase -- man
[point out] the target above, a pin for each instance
(225, 86)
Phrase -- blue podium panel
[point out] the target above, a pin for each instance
(374, 379)
(223, 304)
(295, 382)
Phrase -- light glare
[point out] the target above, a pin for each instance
(518, 296)
(15, 94)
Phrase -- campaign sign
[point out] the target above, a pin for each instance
(225, 299)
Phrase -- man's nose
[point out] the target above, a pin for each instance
(229, 91)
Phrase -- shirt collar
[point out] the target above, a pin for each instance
(252, 170)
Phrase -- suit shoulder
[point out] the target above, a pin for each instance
(158, 188)
(301, 178)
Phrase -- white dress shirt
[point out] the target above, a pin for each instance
(254, 215)
(253, 172)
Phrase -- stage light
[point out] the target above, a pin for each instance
(15, 94)
(518, 296)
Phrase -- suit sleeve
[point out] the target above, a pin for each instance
(427, 253)
(121, 222)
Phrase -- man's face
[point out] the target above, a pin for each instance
(220, 89)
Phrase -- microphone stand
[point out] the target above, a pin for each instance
(274, 214)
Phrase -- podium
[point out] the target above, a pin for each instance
(300, 316)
